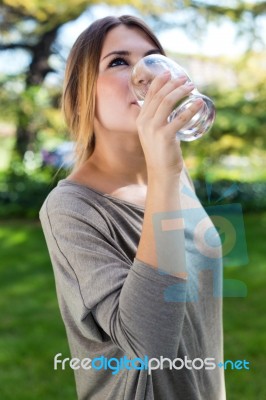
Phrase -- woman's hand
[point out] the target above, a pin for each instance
(157, 136)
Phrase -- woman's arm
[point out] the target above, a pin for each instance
(164, 164)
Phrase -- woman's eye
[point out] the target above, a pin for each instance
(116, 62)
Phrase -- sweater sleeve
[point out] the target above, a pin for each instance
(126, 300)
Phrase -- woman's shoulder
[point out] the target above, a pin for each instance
(67, 194)
(71, 200)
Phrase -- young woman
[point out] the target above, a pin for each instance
(125, 233)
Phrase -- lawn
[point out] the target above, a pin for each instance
(31, 328)
(244, 318)
(32, 331)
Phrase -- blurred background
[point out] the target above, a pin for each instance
(222, 46)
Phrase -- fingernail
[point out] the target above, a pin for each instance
(199, 101)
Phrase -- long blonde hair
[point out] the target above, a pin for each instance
(79, 91)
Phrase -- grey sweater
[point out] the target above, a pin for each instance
(114, 306)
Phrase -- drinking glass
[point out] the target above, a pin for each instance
(143, 73)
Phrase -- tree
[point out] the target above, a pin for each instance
(35, 29)
(35, 26)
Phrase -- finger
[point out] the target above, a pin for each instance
(163, 84)
(155, 86)
(158, 82)
(164, 103)
(185, 116)
(159, 89)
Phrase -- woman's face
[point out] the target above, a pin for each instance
(116, 107)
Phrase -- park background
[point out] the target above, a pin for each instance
(227, 166)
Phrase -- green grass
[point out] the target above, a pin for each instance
(32, 331)
(30, 325)
(244, 318)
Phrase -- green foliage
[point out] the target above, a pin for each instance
(51, 13)
(7, 144)
(35, 109)
(251, 196)
(33, 25)
(22, 192)
(240, 124)
(243, 106)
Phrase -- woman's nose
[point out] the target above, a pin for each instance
(142, 76)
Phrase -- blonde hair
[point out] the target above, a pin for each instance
(79, 91)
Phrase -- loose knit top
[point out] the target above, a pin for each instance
(119, 312)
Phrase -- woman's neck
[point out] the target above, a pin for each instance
(125, 164)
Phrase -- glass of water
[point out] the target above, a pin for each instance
(143, 73)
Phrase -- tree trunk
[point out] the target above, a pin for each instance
(24, 136)
(39, 66)
(38, 69)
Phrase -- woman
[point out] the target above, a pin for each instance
(125, 233)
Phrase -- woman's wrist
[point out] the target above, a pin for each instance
(165, 179)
